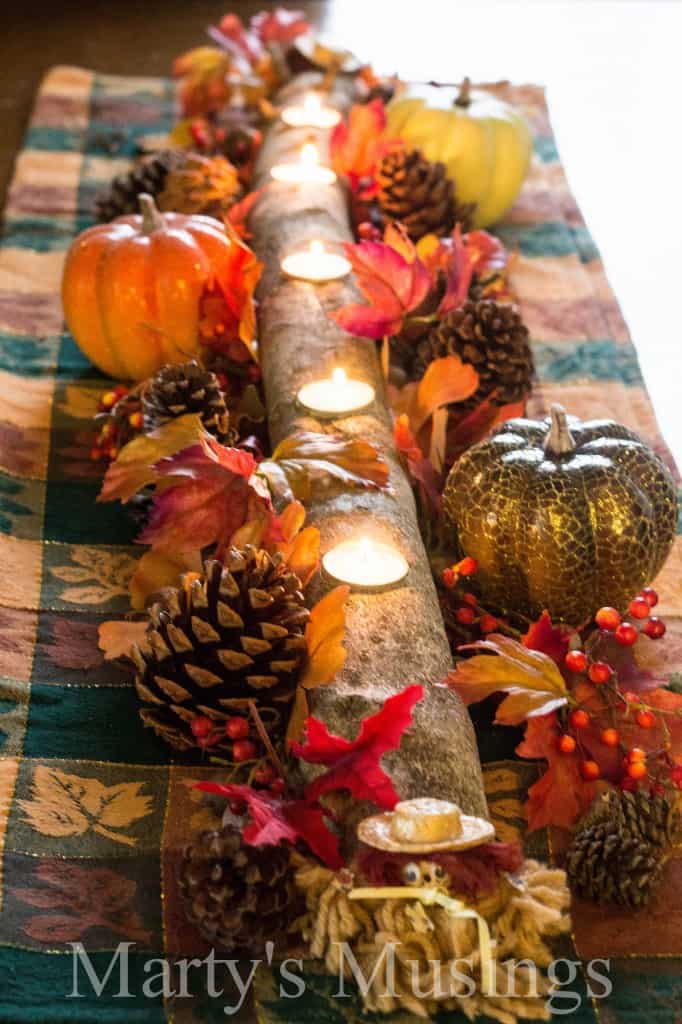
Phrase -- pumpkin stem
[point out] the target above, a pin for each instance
(151, 218)
(559, 440)
(464, 94)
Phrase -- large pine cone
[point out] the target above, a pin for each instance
(187, 388)
(207, 185)
(238, 896)
(121, 197)
(230, 636)
(619, 848)
(493, 339)
(419, 194)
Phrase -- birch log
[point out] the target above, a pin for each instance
(393, 638)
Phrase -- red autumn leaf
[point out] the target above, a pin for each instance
(638, 667)
(138, 461)
(531, 680)
(239, 213)
(356, 144)
(274, 819)
(551, 640)
(279, 26)
(418, 466)
(205, 495)
(561, 795)
(393, 285)
(227, 308)
(477, 424)
(356, 764)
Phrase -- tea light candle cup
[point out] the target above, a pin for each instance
(337, 395)
(307, 171)
(316, 264)
(365, 564)
(311, 114)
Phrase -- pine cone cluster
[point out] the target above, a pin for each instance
(227, 637)
(419, 194)
(493, 339)
(183, 388)
(121, 197)
(238, 896)
(619, 848)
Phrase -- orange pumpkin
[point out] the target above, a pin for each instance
(131, 288)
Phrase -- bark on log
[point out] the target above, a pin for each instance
(393, 638)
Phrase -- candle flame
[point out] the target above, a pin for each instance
(339, 375)
(316, 249)
(309, 154)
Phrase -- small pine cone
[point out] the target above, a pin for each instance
(178, 389)
(493, 339)
(238, 896)
(420, 195)
(200, 184)
(220, 640)
(619, 848)
(121, 197)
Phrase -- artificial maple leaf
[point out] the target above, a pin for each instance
(548, 638)
(450, 260)
(306, 458)
(446, 380)
(117, 637)
(356, 144)
(227, 309)
(393, 285)
(300, 547)
(324, 633)
(274, 819)
(356, 764)
(531, 680)
(561, 795)
(136, 464)
(207, 494)
(203, 73)
(420, 468)
(238, 214)
(472, 428)
(638, 667)
(279, 26)
(159, 569)
(70, 805)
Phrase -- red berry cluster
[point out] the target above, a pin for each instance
(238, 735)
(602, 675)
(463, 605)
(122, 415)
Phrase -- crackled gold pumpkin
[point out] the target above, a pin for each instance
(562, 515)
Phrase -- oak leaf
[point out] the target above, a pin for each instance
(355, 765)
(531, 680)
(69, 805)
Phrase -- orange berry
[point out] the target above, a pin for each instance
(599, 672)
(579, 718)
(576, 661)
(610, 737)
(135, 420)
(639, 608)
(468, 566)
(566, 744)
(608, 618)
(589, 770)
(636, 754)
(637, 770)
(645, 719)
(108, 399)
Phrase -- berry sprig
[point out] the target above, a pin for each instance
(120, 414)
(462, 610)
(237, 742)
(620, 705)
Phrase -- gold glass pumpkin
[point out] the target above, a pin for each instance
(561, 515)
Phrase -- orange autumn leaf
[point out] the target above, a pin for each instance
(305, 459)
(298, 716)
(446, 380)
(117, 637)
(324, 635)
(531, 680)
(159, 569)
(300, 547)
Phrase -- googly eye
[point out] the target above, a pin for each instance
(438, 872)
(412, 874)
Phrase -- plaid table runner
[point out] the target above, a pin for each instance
(93, 811)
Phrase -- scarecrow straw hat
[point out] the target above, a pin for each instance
(424, 825)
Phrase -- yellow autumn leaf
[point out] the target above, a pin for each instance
(159, 569)
(70, 805)
(135, 466)
(324, 635)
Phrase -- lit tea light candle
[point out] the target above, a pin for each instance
(316, 264)
(311, 114)
(308, 170)
(335, 395)
(365, 563)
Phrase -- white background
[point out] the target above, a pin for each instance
(612, 72)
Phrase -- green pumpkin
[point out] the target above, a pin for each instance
(561, 515)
